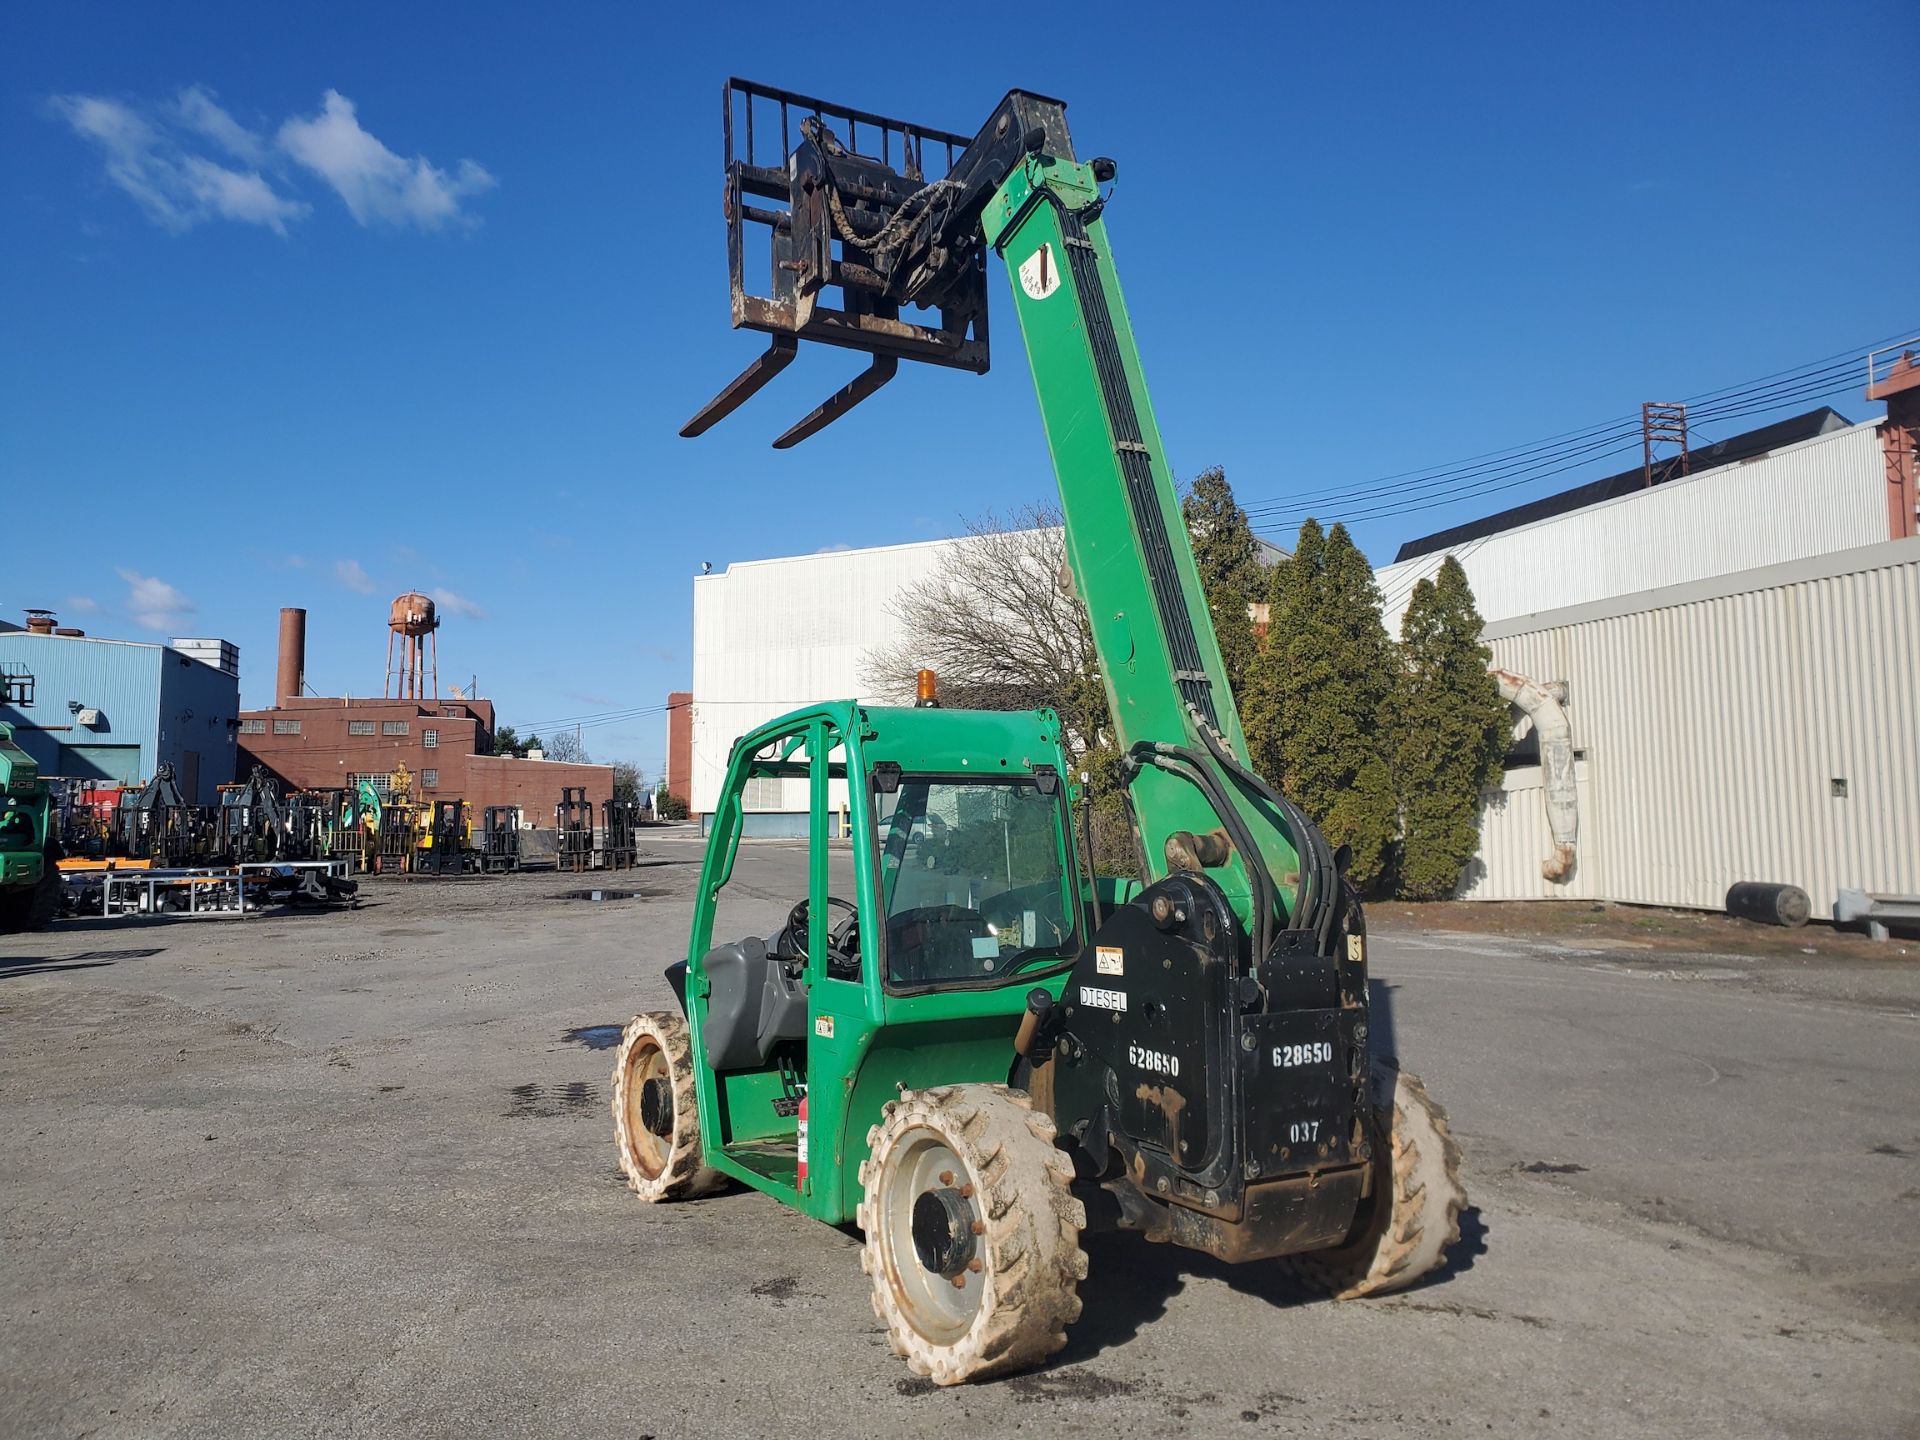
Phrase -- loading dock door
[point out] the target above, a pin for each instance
(119, 763)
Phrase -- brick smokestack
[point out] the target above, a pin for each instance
(293, 655)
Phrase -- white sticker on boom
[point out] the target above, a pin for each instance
(1357, 949)
(1103, 999)
(1110, 960)
(823, 1027)
(1040, 273)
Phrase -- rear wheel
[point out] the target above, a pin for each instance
(1413, 1214)
(656, 1120)
(972, 1236)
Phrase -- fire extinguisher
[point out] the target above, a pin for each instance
(800, 1182)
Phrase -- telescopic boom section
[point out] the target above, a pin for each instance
(888, 238)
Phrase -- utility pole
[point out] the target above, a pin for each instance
(1663, 422)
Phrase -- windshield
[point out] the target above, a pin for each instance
(973, 880)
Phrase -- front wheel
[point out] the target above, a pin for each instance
(1413, 1214)
(656, 1119)
(972, 1236)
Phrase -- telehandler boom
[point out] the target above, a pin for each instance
(984, 1048)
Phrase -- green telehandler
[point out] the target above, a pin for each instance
(969, 1045)
(29, 850)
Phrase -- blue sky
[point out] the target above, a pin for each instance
(311, 305)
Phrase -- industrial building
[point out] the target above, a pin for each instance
(314, 742)
(770, 635)
(1758, 726)
(1728, 658)
(1789, 491)
(1731, 640)
(89, 708)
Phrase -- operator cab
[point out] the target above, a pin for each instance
(974, 886)
(939, 862)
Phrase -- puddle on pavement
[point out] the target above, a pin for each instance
(595, 1037)
(599, 894)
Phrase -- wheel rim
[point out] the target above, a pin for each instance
(648, 1082)
(927, 1210)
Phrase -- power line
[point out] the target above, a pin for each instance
(1815, 384)
(596, 717)
(1743, 397)
(1381, 506)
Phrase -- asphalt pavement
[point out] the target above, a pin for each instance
(353, 1174)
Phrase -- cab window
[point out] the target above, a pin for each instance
(974, 881)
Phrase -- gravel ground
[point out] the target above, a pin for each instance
(352, 1174)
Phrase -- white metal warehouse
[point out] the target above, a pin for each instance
(770, 635)
(1758, 726)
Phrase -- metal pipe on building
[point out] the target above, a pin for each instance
(293, 655)
(1539, 704)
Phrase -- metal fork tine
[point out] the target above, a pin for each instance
(778, 355)
(841, 401)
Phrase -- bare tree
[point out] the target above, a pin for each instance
(628, 782)
(566, 747)
(998, 621)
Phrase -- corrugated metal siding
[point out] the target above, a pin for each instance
(1713, 731)
(119, 679)
(149, 696)
(1823, 495)
(199, 711)
(1514, 840)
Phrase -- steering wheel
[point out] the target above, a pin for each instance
(798, 922)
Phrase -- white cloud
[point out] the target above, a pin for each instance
(349, 574)
(196, 109)
(83, 605)
(376, 184)
(177, 190)
(188, 160)
(458, 605)
(153, 603)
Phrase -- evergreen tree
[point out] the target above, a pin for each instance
(1226, 553)
(1453, 733)
(1321, 697)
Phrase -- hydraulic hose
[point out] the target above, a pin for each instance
(1159, 753)
(1324, 887)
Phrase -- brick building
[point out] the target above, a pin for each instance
(313, 742)
(679, 777)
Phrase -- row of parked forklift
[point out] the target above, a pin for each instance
(375, 829)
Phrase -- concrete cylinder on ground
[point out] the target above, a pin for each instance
(1767, 904)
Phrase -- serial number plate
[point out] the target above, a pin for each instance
(1319, 1052)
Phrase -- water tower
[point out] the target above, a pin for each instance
(410, 634)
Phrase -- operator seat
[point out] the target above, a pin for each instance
(755, 1001)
